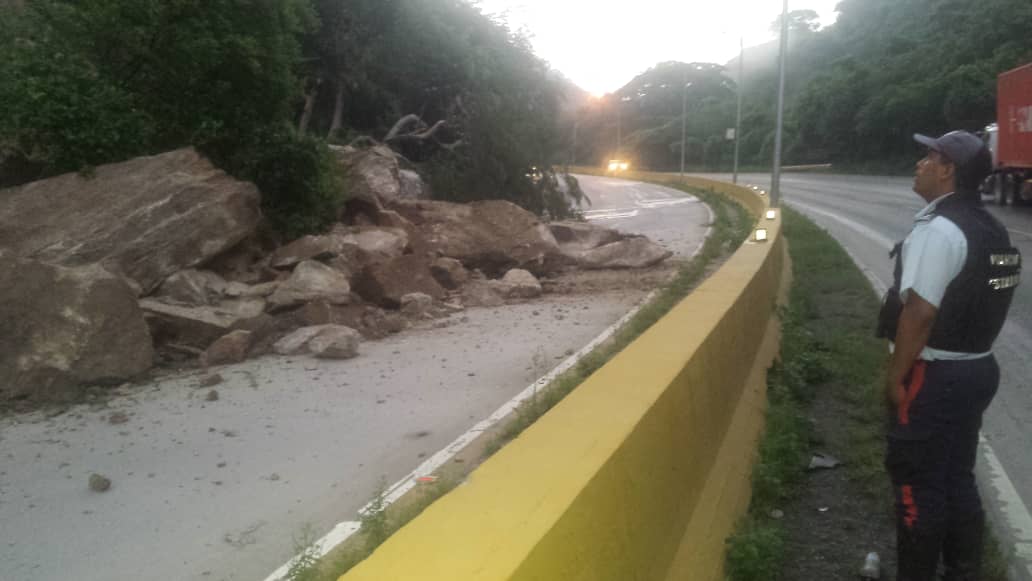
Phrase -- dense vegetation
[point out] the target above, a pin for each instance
(263, 85)
(857, 90)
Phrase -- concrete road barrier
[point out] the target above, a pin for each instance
(642, 471)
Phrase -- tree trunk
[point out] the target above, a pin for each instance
(338, 110)
(306, 114)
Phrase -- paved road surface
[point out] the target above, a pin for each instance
(868, 215)
(216, 490)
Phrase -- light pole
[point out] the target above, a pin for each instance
(775, 186)
(684, 123)
(738, 118)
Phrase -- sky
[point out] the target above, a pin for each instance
(602, 44)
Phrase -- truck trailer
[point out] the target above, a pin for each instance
(1010, 139)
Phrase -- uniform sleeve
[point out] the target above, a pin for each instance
(933, 255)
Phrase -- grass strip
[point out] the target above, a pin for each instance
(827, 343)
(731, 225)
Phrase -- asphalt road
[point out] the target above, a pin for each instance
(867, 215)
(217, 490)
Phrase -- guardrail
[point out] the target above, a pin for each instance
(642, 471)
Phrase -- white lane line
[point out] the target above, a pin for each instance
(879, 286)
(1008, 501)
(882, 240)
(1012, 509)
(344, 530)
(609, 214)
(1019, 232)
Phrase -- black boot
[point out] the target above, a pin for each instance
(917, 555)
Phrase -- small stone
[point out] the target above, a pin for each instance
(213, 395)
(118, 418)
(210, 380)
(274, 477)
(99, 483)
(777, 514)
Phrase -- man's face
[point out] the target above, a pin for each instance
(932, 176)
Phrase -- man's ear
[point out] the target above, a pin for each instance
(949, 172)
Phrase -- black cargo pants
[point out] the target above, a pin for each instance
(932, 445)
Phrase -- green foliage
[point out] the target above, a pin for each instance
(301, 183)
(856, 91)
(754, 552)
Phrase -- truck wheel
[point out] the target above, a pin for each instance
(999, 190)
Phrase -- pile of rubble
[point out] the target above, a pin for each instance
(165, 258)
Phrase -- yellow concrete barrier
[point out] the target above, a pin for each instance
(641, 472)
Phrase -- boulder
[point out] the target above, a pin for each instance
(520, 284)
(63, 327)
(230, 348)
(416, 304)
(196, 327)
(311, 281)
(412, 186)
(239, 290)
(493, 236)
(305, 248)
(449, 273)
(631, 253)
(144, 219)
(325, 341)
(297, 342)
(384, 284)
(374, 243)
(372, 174)
(193, 287)
(483, 293)
(583, 235)
(335, 342)
(266, 329)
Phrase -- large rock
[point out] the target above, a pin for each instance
(520, 284)
(631, 253)
(144, 219)
(335, 342)
(583, 235)
(193, 287)
(493, 236)
(306, 248)
(371, 244)
(197, 327)
(412, 186)
(62, 327)
(324, 341)
(311, 281)
(230, 348)
(373, 174)
(386, 283)
(483, 293)
(449, 272)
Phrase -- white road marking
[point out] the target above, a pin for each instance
(1013, 510)
(344, 530)
(1011, 506)
(610, 214)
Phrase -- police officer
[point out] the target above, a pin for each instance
(954, 279)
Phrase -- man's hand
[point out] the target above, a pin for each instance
(895, 393)
(915, 325)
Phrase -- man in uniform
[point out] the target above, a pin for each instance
(954, 278)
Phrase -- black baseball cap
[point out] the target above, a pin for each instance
(960, 147)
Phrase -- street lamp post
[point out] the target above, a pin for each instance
(684, 123)
(738, 118)
(775, 186)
